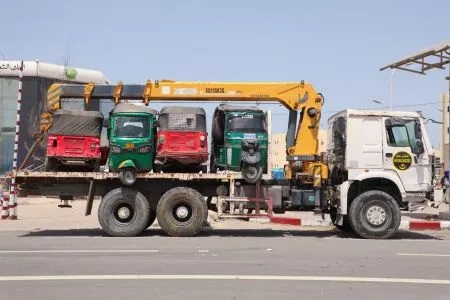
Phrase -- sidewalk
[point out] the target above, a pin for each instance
(40, 213)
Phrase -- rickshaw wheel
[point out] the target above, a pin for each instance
(251, 173)
(127, 176)
(51, 164)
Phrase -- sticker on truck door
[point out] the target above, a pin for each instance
(402, 160)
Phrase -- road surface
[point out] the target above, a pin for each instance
(223, 264)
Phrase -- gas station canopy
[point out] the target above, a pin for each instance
(435, 57)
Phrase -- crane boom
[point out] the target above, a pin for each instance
(300, 98)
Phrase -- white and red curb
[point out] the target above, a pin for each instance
(411, 225)
(424, 225)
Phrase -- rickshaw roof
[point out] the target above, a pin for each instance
(76, 123)
(227, 108)
(132, 108)
(182, 110)
(81, 113)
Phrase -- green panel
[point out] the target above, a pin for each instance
(230, 154)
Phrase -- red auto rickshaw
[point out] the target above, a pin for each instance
(182, 144)
(74, 140)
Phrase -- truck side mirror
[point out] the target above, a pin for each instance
(417, 130)
(418, 149)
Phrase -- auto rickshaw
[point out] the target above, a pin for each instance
(131, 134)
(182, 144)
(239, 141)
(73, 140)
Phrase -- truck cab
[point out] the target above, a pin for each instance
(386, 153)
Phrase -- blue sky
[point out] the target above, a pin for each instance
(338, 46)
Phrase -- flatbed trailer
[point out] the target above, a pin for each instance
(194, 194)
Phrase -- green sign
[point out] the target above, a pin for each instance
(71, 73)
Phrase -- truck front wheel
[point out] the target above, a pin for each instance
(182, 211)
(124, 212)
(374, 215)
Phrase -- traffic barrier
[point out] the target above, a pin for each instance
(4, 196)
(12, 191)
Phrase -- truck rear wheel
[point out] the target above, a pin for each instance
(374, 215)
(182, 211)
(124, 212)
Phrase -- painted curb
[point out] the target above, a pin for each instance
(286, 221)
(413, 225)
(416, 225)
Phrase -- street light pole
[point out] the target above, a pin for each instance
(392, 87)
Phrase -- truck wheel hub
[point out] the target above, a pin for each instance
(376, 215)
(124, 212)
(182, 212)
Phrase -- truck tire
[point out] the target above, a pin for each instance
(182, 211)
(124, 212)
(374, 215)
(345, 227)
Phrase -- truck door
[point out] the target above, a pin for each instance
(404, 153)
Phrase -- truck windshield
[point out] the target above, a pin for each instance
(246, 123)
(132, 127)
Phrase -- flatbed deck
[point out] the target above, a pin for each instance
(24, 175)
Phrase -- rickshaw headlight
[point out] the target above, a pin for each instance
(162, 139)
(115, 149)
(145, 149)
(202, 138)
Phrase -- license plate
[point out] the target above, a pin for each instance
(249, 135)
(129, 146)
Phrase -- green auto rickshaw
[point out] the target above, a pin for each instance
(132, 135)
(239, 141)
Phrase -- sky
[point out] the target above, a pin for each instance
(337, 46)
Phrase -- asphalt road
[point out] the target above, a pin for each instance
(223, 264)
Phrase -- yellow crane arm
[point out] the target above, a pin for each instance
(300, 98)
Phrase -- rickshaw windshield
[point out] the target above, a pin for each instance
(132, 127)
(246, 123)
(182, 122)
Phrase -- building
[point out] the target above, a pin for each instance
(277, 157)
(445, 130)
(37, 77)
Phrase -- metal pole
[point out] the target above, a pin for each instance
(269, 148)
(12, 191)
(392, 88)
(447, 125)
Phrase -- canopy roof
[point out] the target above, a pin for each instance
(427, 59)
